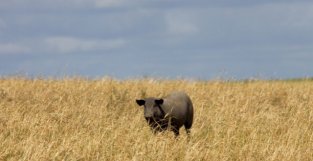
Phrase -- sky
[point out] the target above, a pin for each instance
(125, 39)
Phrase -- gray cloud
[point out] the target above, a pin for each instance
(167, 38)
(2, 24)
(70, 5)
(13, 49)
(71, 45)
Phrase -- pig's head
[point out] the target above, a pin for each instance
(152, 108)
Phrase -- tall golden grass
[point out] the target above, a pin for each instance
(80, 119)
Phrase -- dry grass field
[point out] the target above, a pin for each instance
(80, 119)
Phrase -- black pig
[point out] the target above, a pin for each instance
(170, 112)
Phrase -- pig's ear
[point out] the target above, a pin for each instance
(140, 102)
(159, 101)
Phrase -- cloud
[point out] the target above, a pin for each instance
(68, 5)
(108, 3)
(2, 24)
(70, 44)
(31, 4)
(11, 48)
(232, 35)
(62, 5)
(179, 23)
